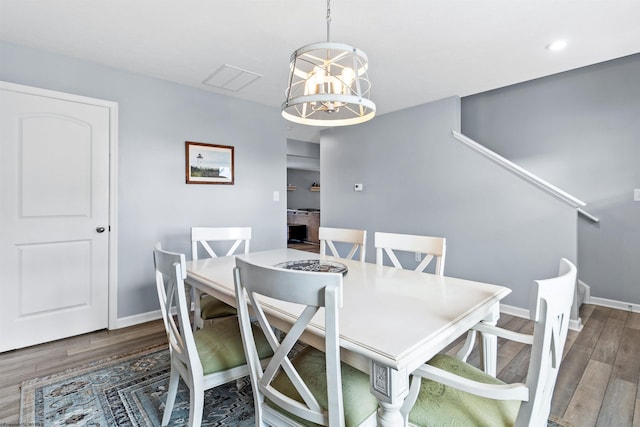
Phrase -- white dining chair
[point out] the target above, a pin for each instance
(227, 241)
(310, 386)
(206, 358)
(429, 247)
(432, 248)
(356, 238)
(451, 392)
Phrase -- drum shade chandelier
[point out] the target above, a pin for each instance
(328, 84)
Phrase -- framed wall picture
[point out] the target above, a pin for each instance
(208, 163)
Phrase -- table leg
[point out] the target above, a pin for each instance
(489, 344)
(389, 415)
(390, 387)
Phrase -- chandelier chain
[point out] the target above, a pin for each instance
(328, 18)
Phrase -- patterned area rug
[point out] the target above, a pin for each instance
(127, 391)
(130, 391)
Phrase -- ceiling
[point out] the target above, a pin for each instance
(419, 50)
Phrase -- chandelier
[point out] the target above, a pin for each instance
(328, 84)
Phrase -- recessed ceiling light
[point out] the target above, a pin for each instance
(557, 45)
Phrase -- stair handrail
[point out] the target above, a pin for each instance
(526, 175)
(588, 215)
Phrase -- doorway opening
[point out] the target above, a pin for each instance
(303, 195)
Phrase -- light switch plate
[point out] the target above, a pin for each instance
(636, 195)
(358, 187)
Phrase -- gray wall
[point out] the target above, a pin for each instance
(579, 130)
(155, 120)
(303, 169)
(302, 197)
(418, 179)
(303, 149)
(303, 155)
(581, 133)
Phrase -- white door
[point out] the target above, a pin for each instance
(54, 188)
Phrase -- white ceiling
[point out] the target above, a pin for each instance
(419, 50)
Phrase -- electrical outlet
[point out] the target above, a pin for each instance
(418, 256)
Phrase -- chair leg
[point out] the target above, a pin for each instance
(196, 403)
(410, 400)
(466, 349)
(187, 291)
(198, 323)
(259, 413)
(488, 351)
(174, 379)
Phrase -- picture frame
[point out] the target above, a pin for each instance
(209, 163)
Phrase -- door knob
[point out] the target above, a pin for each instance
(100, 229)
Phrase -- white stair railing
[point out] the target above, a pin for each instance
(526, 175)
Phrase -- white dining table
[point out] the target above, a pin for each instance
(392, 320)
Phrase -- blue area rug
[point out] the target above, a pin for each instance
(129, 391)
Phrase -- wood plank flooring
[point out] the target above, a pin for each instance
(45, 359)
(597, 385)
(599, 376)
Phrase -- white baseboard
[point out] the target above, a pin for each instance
(604, 302)
(586, 290)
(514, 311)
(137, 319)
(574, 324)
(620, 305)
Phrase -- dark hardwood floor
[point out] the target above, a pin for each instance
(597, 385)
(302, 246)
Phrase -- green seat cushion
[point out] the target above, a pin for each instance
(220, 345)
(310, 363)
(213, 308)
(440, 405)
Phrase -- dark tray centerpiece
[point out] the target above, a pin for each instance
(314, 265)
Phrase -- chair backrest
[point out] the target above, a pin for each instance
(204, 235)
(431, 247)
(328, 235)
(313, 291)
(170, 275)
(551, 301)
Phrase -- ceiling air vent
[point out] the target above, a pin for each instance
(231, 78)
